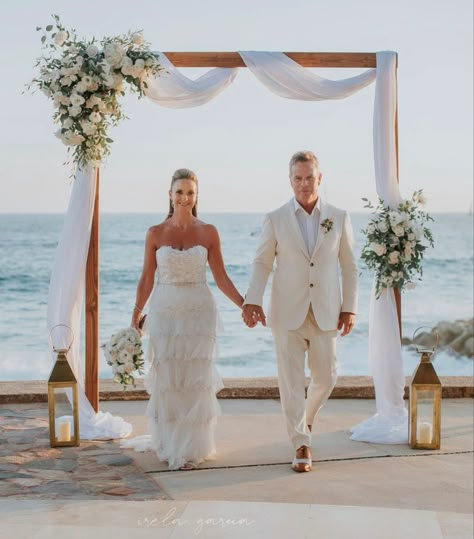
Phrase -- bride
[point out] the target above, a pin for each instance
(182, 380)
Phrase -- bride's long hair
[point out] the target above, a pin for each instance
(183, 174)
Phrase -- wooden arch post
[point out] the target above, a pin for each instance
(92, 308)
(208, 60)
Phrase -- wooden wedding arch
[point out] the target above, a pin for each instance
(210, 60)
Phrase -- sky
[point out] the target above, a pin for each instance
(240, 143)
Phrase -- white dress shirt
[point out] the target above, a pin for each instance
(309, 223)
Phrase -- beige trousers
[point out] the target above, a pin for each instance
(291, 348)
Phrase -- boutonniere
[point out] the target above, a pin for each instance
(327, 225)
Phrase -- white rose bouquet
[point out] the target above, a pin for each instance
(396, 241)
(124, 353)
(84, 78)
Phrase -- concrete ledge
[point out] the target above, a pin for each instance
(347, 387)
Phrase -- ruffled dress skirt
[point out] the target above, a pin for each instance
(182, 379)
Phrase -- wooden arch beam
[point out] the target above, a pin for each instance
(305, 59)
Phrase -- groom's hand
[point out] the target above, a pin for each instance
(252, 314)
(346, 323)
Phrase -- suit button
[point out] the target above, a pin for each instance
(311, 285)
(311, 264)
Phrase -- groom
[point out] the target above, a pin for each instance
(309, 240)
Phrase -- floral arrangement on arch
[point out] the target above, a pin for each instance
(396, 241)
(84, 78)
(124, 353)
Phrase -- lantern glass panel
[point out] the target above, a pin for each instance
(425, 403)
(63, 414)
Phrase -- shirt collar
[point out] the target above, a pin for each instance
(298, 206)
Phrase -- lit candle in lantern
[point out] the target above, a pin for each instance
(64, 431)
(424, 433)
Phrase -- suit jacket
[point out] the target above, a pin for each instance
(302, 279)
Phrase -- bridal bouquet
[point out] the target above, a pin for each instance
(396, 241)
(84, 78)
(124, 353)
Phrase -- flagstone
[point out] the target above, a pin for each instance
(67, 465)
(119, 491)
(8, 467)
(114, 460)
(27, 481)
(10, 475)
(31, 469)
(49, 474)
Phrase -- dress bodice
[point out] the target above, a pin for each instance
(181, 267)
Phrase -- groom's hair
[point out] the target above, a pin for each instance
(304, 157)
(183, 174)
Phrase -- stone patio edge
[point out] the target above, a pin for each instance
(347, 387)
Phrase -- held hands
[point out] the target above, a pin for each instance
(252, 314)
(346, 323)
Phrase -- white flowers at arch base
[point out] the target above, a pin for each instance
(395, 243)
(124, 353)
(84, 79)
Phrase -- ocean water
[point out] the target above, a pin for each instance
(27, 247)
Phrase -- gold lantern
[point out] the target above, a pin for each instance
(62, 401)
(425, 397)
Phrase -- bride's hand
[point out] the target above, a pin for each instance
(135, 324)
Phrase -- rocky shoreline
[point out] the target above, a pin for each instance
(457, 337)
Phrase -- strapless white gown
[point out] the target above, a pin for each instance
(182, 379)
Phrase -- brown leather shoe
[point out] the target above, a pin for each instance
(302, 462)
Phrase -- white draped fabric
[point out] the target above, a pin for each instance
(288, 79)
(284, 77)
(172, 89)
(390, 424)
(65, 300)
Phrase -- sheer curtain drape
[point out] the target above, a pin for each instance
(172, 89)
(288, 79)
(390, 424)
(65, 300)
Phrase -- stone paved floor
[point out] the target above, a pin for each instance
(30, 468)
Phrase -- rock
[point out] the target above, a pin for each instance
(458, 336)
(458, 343)
(447, 331)
(469, 347)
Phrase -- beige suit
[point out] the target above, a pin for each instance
(303, 280)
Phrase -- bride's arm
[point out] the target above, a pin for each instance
(216, 263)
(145, 284)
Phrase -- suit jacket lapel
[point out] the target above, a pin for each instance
(295, 228)
(321, 232)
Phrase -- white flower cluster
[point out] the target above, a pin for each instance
(124, 353)
(395, 243)
(84, 80)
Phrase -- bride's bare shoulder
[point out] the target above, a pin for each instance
(155, 231)
(207, 228)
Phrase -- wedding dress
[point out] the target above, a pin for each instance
(182, 379)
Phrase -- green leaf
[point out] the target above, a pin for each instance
(38, 28)
(49, 28)
(109, 140)
(43, 39)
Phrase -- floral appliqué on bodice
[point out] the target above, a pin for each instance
(181, 267)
